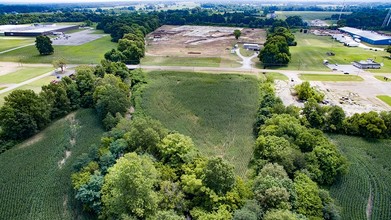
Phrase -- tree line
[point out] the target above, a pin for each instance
(366, 18)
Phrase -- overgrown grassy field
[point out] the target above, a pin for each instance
(33, 186)
(7, 43)
(24, 74)
(36, 86)
(385, 98)
(311, 51)
(92, 52)
(308, 15)
(229, 61)
(366, 188)
(216, 110)
(330, 77)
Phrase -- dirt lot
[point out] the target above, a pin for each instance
(353, 97)
(199, 41)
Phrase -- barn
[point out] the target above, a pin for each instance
(370, 37)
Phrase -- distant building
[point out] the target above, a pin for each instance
(366, 64)
(254, 47)
(35, 29)
(370, 37)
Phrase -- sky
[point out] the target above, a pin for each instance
(84, 1)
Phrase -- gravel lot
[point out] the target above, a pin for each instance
(77, 38)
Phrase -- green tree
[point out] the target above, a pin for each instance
(237, 34)
(128, 188)
(294, 21)
(335, 117)
(111, 95)
(85, 81)
(90, 194)
(284, 32)
(219, 175)
(308, 201)
(56, 96)
(174, 148)
(281, 215)
(23, 114)
(44, 45)
(305, 92)
(275, 52)
(60, 63)
(388, 49)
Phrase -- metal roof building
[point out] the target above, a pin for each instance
(35, 29)
(370, 37)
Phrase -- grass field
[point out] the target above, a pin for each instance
(7, 43)
(311, 51)
(381, 78)
(277, 76)
(307, 15)
(385, 98)
(216, 110)
(181, 61)
(369, 177)
(33, 186)
(24, 74)
(330, 77)
(246, 53)
(88, 53)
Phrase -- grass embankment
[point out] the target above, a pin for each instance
(88, 53)
(33, 186)
(366, 188)
(24, 74)
(7, 43)
(216, 110)
(330, 77)
(385, 98)
(381, 78)
(311, 51)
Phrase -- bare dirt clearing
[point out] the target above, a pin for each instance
(200, 41)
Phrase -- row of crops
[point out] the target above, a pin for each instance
(31, 182)
(365, 190)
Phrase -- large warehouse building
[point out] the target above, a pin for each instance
(367, 36)
(34, 29)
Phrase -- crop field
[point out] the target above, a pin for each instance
(88, 53)
(307, 15)
(33, 183)
(24, 74)
(364, 193)
(216, 110)
(330, 77)
(311, 51)
(385, 98)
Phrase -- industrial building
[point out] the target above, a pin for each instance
(34, 29)
(370, 37)
(366, 64)
(254, 47)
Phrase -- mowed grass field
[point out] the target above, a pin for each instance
(32, 184)
(311, 51)
(385, 98)
(330, 77)
(216, 110)
(366, 188)
(308, 15)
(23, 74)
(36, 86)
(89, 53)
(7, 43)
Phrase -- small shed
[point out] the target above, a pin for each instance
(254, 47)
(367, 64)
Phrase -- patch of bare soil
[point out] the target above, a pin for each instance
(369, 205)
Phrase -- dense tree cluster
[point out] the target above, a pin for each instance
(306, 92)
(366, 18)
(295, 21)
(44, 45)
(276, 48)
(105, 87)
(141, 170)
(290, 161)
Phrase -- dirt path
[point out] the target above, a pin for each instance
(368, 211)
(247, 62)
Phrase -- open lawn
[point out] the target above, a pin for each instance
(276, 76)
(33, 186)
(381, 78)
(311, 51)
(308, 15)
(7, 43)
(245, 52)
(36, 86)
(216, 110)
(330, 77)
(92, 52)
(385, 98)
(23, 74)
(366, 188)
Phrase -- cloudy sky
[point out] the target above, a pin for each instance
(82, 1)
